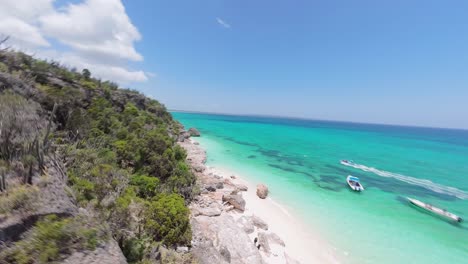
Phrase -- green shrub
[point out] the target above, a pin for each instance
(84, 188)
(179, 153)
(18, 198)
(167, 220)
(3, 67)
(147, 186)
(181, 181)
(134, 249)
(90, 85)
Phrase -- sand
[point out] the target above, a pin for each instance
(302, 244)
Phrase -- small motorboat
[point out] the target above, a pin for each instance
(441, 212)
(347, 162)
(354, 183)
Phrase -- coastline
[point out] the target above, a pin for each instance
(285, 240)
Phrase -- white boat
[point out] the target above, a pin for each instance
(442, 212)
(354, 183)
(346, 162)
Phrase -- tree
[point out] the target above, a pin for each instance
(3, 40)
(86, 74)
(29, 162)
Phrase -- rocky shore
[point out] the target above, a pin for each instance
(224, 230)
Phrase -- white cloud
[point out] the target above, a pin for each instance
(25, 10)
(222, 23)
(21, 33)
(95, 27)
(97, 34)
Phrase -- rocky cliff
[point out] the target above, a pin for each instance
(89, 172)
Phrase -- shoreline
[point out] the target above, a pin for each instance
(301, 242)
(285, 240)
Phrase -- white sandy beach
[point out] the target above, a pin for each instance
(290, 239)
(301, 243)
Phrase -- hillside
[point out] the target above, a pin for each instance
(89, 171)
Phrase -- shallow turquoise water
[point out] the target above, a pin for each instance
(299, 161)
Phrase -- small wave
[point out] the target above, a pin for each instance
(438, 188)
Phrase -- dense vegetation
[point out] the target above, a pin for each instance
(120, 154)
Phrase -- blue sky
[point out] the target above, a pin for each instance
(398, 62)
(394, 62)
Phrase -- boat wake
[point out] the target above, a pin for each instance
(438, 188)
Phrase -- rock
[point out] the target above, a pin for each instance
(274, 238)
(235, 200)
(245, 222)
(196, 143)
(226, 254)
(242, 187)
(182, 249)
(263, 242)
(193, 132)
(219, 185)
(212, 210)
(161, 254)
(214, 237)
(233, 177)
(267, 240)
(56, 82)
(262, 191)
(210, 188)
(258, 222)
(108, 253)
(199, 168)
(52, 198)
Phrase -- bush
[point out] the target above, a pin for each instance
(147, 186)
(51, 237)
(84, 188)
(167, 220)
(134, 249)
(19, 198)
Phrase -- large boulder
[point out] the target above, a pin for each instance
(235, 200)
(270, 243)
(262, 191)
(199, 168)
(212, 210)
(245, 222)
(193, 132)
(241, 187)
(264, 243)
(258, 222)
(210, 188)
(221, 240)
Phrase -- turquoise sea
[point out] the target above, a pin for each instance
(300, 162)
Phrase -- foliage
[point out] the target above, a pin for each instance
(50, 238)
(121, 157)
(147, 185)
(18, 198)
(20, 125)
(166, 219)
(86, 74)
(134, 248)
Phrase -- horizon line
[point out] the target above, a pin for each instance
(315, 119)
